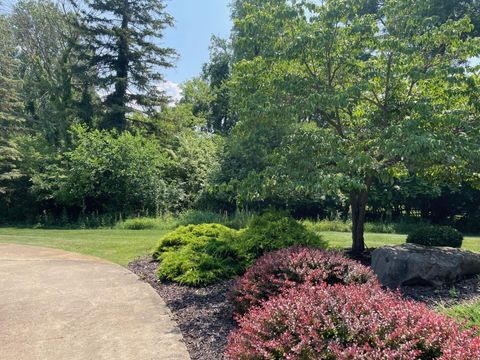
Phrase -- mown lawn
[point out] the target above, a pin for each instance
(122, 246)
(118, 246)
(343, 239)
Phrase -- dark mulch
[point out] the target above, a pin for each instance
(204, 315)
(465, 290)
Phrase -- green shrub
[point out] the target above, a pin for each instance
(138, 224)
(199, 264)
(197, 217)
(398, 227)
(198, 255)
(436, 236)
(274, 231)
(237, 220)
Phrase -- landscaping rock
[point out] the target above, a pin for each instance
(411, 264)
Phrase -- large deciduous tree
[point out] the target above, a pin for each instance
(53, 91)
(123, 38)
(217, 73)
(10, 107)
(369, 92)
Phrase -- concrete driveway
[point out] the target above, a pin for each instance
(65, 306)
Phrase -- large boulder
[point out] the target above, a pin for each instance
(411, 264)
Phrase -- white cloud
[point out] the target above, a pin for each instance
(173, 90)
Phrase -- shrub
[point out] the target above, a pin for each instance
(347, 322)
(436, 236)
(197, 217)
(275, 272)
(236, 220)
(198, 255)
(274, 231)
(402, 226)
(138, 224)
(185, 235)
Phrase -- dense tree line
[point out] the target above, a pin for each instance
(359, 108)
(85, 127)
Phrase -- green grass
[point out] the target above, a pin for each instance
(467, 313)
(122, 246)
(118, 246)
(342, 240)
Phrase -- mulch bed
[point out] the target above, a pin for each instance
(204, 315)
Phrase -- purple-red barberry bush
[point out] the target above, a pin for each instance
(347, 322)
(283, 269)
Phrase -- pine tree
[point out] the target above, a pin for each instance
(10, 107)
(122, 36)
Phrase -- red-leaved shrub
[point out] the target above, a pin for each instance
(347, 322)
(279, 270)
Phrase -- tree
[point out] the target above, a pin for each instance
(217, 73)
(10, 107)
(366, 95)
(52, 88)
(122, 37)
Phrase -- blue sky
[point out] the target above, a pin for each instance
(195, 23)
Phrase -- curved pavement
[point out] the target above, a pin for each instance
(58, 305)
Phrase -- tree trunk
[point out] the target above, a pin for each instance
(358, 203)
(118, 100)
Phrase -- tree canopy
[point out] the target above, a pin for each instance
(365, 95)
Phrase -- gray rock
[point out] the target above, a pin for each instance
(410, 264)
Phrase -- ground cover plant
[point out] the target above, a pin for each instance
(345, 322)
(280, 270)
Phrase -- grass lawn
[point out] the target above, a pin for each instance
(343, 239)
(122, 246)
(118, 246)
(468, 313)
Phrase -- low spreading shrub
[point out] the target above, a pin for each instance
(200, 264)
(198, 234)
(277, 271)
(347, 322)
(198, 255)
(274, 231)
(436, 236)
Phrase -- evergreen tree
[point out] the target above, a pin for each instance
(122, 37)
(10, 107)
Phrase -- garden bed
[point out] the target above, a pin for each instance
(204, 315)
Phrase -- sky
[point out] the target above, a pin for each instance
(195, 23)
